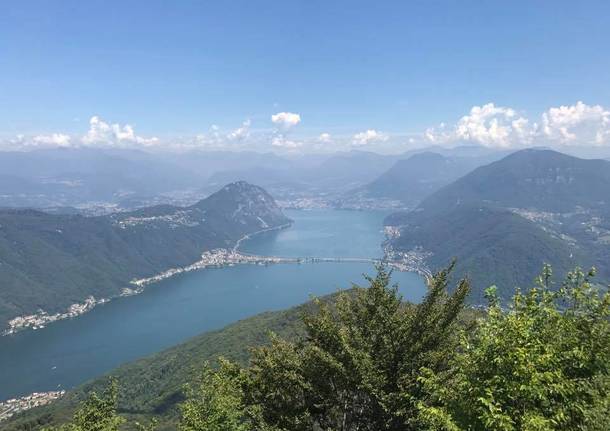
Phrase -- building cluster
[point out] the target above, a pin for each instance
(174, 220)
(212, 259)
(40, 319)
(13, 406)
(391, 232)
(408, 261)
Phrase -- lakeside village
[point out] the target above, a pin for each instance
(13, 406)
(411, 261)
(40, 319)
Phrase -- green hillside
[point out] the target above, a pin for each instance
(492, 246)
(51, 261)
(543, 179)
(509, 217)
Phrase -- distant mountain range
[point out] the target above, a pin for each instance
(51, 261)
(412, 179)
(95, 181)
(504, 220)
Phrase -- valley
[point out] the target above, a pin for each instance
(68, 352)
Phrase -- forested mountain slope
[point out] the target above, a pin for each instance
(51, 261)
(508, 217)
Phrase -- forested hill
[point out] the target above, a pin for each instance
(415, 178)
(509, 217)
(51, 261)
(544, 180)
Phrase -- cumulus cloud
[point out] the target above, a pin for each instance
(102, 133)
(501, 127)
(240, 133)
(579, 124)
(488, 125)
(367, 137)
(286, 120)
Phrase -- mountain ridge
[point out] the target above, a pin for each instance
(50, 261)
(509, 217)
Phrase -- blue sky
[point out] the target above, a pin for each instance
(175, 69)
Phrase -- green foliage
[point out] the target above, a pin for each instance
(364, 360)
(542, 364)
(96, 413)
(216, 403)
(356, 368)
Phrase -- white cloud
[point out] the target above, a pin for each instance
(325, 138)
(367, 137)
(578, 124)
(114, 135)
(286, 120)
(240, 133)
(281, 141)
(502, 127)
(488, 125)
(53, 140)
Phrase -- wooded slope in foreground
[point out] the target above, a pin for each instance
(365, 360)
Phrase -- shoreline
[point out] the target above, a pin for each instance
(42, 318)
(11, 407)
(214, 259)
(412, 261)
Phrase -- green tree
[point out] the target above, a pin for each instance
(96, 413)
(215, 404)
(541, 364)
(355, 369)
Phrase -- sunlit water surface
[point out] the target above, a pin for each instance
(70, 352)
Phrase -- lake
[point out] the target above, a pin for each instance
(70, 352)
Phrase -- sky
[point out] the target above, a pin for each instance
(303, 75)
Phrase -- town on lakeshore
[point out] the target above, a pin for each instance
(42, 318)
(13, 406)
(410, 261)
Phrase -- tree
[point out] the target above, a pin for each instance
(356, 368)
(216, 403)
(542, 364)
(96, 413)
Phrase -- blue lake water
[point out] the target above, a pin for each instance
(69, 352)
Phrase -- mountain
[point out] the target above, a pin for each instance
(511, 216)
(61, 177)
(326, 174)
(410, 180)
(51, 261)
(542, 179)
